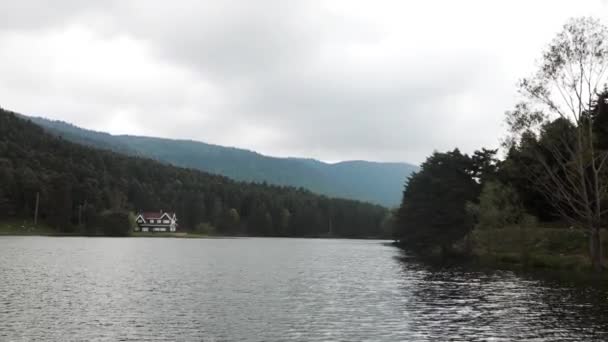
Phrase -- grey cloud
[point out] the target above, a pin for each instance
(42, 15)
(314, 78)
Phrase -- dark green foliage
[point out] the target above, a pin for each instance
(359, 180)
(600, 121)
(515, 171)
(433, 212)
(499, 206)
(77, 183)
(60, 204)
(114, 223)
(230, 221)
(485, 165)
(523, 168)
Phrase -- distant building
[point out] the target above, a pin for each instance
(156, 222)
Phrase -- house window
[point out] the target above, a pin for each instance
(166, 221)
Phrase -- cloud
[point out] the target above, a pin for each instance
(333, 80)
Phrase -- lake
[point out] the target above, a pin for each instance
(272, 289)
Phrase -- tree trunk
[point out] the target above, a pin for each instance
(595, 249)
(445, 252)
(524, 244)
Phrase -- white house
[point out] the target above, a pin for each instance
(156, 222)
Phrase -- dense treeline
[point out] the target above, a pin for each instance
(456, 198)
(545, 202)
(80, 187)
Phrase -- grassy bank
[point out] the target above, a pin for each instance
(183, 235)
(20, 227)
(27, 228)
(536, 247)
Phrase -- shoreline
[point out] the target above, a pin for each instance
(27, 228)
(185, 235)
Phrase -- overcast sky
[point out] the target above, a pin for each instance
(333, 80)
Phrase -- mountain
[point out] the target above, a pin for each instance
(376, 182)
(76, 187)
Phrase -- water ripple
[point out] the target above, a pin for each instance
(98, 289)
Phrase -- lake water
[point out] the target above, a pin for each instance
(157, 289)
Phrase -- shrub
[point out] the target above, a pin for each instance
(205, 228)
(115, 223)
(499, 206)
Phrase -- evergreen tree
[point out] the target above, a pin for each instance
(433, 211)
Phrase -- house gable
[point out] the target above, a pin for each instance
(156, 221)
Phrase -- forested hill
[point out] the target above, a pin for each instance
(73, 179)
(380, 183)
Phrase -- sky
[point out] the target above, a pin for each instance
(328, 79)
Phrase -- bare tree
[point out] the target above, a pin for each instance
(567, 85)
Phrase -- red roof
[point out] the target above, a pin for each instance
(155, 214)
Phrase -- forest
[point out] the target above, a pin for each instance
(374, 182)
(484, 206)
(543, 204)
(83, 190)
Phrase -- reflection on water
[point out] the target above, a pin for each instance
(64, 289)
(466, 305)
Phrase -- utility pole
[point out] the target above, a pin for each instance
(80, 215)
(331, 230)
(84, 209)
(36, 210)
